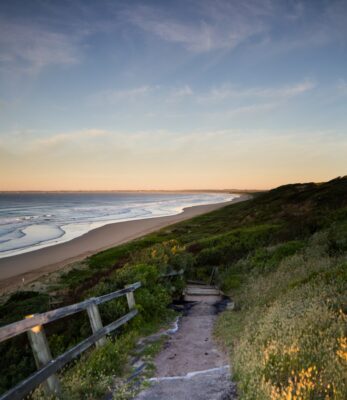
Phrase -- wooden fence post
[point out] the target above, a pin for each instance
(42, 355)
(95, 322)
(130, 299)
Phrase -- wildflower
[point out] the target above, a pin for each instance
(303, 385)
(342, 351)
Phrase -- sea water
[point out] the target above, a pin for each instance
(30, 221)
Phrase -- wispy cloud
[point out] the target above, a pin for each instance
(223, 26)
(250, 109)
(183, 91)
(66, 138)
(180, 93)
(228, 91)
(28, 48)
(25, 141)
(113, 96)
(223, 101)
(124, 160)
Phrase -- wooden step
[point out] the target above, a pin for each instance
(201, 291)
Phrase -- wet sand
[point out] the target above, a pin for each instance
(30, 266)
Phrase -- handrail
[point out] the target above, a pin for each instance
(46, 366)
(172, 273)
(26, 386)
(24, 325)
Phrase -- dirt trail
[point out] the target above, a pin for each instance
(191, 366)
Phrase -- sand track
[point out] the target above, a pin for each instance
(191, 366)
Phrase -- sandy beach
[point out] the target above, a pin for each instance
(30, 266)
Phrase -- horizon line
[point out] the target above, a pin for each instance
(136, 191)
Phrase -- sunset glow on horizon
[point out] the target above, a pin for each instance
(152, 95)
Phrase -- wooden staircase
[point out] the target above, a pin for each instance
(199, 292)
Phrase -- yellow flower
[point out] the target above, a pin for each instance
(342, 351)
(301, 386)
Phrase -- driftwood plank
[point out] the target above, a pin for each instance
(29, 384)
(24, 325)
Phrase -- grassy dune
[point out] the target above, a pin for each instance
(282, 258)
(287, 334)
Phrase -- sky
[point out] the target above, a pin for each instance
(192, 94)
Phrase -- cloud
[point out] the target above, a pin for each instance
(279, 26)
(228, 91)
(148, 159)
(37, 142)
(250, 109)
(180, 93)
(29, 48)
(63, 139)
(223, 101)
(23, 142)
(221, 26)
(202, 26)
(183, 91)
(114, 96)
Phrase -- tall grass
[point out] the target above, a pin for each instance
(288, 338)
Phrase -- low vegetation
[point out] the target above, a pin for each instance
(281, 256)
(287, 337)
(94, 373)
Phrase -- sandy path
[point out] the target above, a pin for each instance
(34, 264)
(191, 366)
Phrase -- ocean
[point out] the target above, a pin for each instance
(29, 221)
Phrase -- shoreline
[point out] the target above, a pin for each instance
(66, 229)
(14, 270)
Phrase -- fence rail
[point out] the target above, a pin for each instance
(33, 325)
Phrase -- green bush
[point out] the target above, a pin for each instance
(21, 304)
(337, 238)
(267, 258)
(232, 246)
(230, 281)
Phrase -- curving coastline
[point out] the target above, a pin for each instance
(29, 222)
(29, 266)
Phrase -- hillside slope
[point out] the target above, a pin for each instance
(282, 258)
(287, 337)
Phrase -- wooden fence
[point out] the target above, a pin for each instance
(47, 367)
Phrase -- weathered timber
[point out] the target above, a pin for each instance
(29, 384)
(95, 321)
(119, 293)
(131, 300)
(42, 355)
(202, 290)
(19, 327)
(173, 273)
